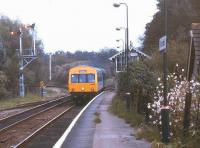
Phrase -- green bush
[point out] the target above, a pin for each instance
(140, 82)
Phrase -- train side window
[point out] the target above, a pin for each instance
(74, 78)
(91, 78)
(82, 78)
(100, 78)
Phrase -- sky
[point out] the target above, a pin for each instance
(71, 25)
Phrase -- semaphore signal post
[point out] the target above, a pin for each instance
(25, 59)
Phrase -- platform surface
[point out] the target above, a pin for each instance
(112, 132)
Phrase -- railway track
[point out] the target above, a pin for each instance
(30, 105)
(47, 135)
(13, 130)
(19, 117)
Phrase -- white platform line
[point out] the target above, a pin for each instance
(59, 143)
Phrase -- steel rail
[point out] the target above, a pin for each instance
(37, 132)
(37, 106)
(32, 115)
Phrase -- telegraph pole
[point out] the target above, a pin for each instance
(33, 36)
(50, 66)
(165, 107)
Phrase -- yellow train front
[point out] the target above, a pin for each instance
(84, 82)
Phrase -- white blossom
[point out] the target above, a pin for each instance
(176, 101)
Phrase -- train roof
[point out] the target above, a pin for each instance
(88, 67)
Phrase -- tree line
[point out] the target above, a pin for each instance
(9, 56)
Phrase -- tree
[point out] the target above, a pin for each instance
(10, 43)
(181, 13)
(3, 80)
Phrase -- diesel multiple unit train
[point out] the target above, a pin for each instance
(84, 82)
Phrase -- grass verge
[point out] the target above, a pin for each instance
(13, 102)
(50, 94)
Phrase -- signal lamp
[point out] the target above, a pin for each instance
(15, 33)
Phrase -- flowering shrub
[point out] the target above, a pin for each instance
(178, 86)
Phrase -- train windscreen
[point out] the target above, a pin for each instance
(82, 78)
(74, 78)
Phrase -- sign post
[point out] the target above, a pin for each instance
(165, 107)
(163, 43)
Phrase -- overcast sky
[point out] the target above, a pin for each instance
(71, 25)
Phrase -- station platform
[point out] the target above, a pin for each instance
(111, 132)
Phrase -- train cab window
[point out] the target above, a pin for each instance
(82, 78)
(74, 78)
(91, 78)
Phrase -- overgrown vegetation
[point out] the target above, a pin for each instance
(141, 83)
(147, 119)
(141, 78)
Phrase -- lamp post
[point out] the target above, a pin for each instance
(126, 30)
(118, 40)
(122, 56)
(124, 45)
(128, 100)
